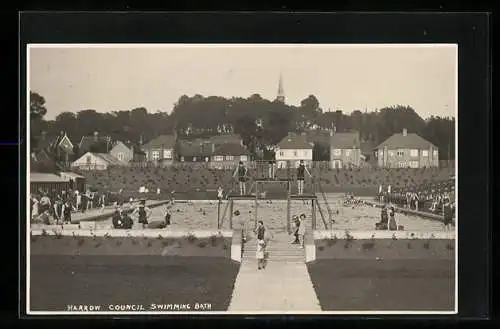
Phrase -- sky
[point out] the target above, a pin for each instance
(343, 77)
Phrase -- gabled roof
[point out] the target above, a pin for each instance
(230, 149)
(195, 148)
(411, 141)
(109, 159)
(345, 140)
(294, 142)
(87, 141)
(118, 143)
(165, 141)
(58, 143)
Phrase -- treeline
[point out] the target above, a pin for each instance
(260, 122)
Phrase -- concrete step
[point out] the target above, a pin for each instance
(277, 257)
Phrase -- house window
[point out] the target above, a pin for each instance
(435, 153)
(425, 153)
(401, 164)
(120, 156)
(155, 155)
(413, 164)
(229, 158)
(89, 159)
(282, 153)
(243, 158)
(391, 153)
(337, 152)
(295, 153)
(182, 159)
(347, 153)
(167, 154)
(414, 153)
(400, 153)
(219, 158)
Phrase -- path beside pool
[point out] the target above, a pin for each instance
(283, 286)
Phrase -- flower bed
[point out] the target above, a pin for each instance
(58, 244)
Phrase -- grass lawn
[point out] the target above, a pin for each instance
(59, 280)
(394, 285)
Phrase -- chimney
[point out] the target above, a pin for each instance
(405, 132)
(96, 136)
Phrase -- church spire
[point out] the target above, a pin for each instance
(281, 92)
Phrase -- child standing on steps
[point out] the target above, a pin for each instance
(260, 254)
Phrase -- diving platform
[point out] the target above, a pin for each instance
(273, 180)
(303, 197)
(241, 197)
(256, 196)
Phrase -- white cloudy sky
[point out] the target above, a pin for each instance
(105, 78)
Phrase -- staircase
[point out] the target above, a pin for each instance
(279, 249)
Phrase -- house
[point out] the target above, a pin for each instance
(48, 183)
(228, 155)
(407, 150)
(195, 151)
(292, 149)
(161, 148)
(122, 152)
(345, 151)
(76, 182)
(59, 148)
(95, 144)
(96, 161)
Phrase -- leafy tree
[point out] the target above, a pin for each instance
(37, 106)
(206, 116)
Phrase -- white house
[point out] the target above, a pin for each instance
(96, 161)
(292, 149)
(122, 152)
(407, 150)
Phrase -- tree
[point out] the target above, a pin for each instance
(37, 106)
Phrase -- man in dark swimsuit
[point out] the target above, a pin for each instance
(241, 171)
(301, 170)
(142, 212)
(260, 230)
(272, 169)
(117, 219)
(66, 211)
(448, 214)
(384, 219)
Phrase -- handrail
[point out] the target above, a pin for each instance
(330, 212)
